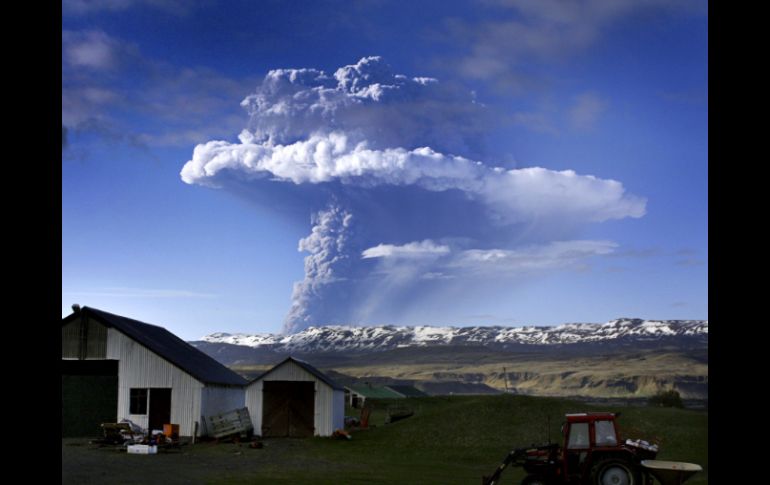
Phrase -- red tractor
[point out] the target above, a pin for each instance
(593, 454)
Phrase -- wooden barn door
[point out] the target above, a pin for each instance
(288, 409)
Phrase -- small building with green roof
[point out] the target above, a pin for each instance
(357, 394)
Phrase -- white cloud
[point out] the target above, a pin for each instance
(90, 49)
(514, 195)
(80, 104)
(412, 250)
(535, 121)
(408, 273)
(538, 193)
(180, 106)
(526, 31)
(468, 262)
(83, 7)
(329, 157)
(436, 275)
(585, 111)
(557, 254)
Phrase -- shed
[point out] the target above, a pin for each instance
(295, 399)
(116, 368)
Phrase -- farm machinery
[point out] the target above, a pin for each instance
(593, 454)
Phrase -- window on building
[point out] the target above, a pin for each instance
(605, 434)
(138, 399)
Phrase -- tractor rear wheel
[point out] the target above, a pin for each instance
(534, 480)
(615, 472)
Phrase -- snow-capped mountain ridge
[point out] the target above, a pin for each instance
(387, 337)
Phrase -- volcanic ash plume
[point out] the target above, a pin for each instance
(323, 267)
(403, 157)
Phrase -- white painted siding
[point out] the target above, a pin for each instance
(139, 367)
(254, 403)
(329, 405)
(220, 399)
(338, 414)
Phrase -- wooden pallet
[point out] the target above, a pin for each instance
(115, 432)
(233, 422)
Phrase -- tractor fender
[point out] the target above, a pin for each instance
(621, 455)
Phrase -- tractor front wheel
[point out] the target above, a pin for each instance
(534, 480)
(615, 472)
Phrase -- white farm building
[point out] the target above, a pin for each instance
(295, 399)
(116, 368)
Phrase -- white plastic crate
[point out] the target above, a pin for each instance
(142, 449)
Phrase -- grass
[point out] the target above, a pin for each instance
(449, 440)
(589, 375)
(457, 439)
(619, 373)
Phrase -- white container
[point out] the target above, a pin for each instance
(142, 449)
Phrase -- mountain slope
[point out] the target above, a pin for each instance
(382, 338)
(624, 358)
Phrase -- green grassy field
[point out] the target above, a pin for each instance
(457, 439)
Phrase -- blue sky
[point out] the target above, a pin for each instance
(261, 167)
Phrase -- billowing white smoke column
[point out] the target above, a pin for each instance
(401, 155)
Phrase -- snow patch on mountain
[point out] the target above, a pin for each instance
(386, 337)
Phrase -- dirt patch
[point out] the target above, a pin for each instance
(208, 462)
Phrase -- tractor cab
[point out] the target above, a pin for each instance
(587, 436)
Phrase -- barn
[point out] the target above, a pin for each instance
(295, 399)
(116, 368)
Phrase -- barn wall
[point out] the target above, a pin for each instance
(254, 403)
(70, 340)
(326, 420)
(338, 407)
(220, 399)
(139, 367)
(96, 341)
(324, 409)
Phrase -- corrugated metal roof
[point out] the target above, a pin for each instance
(317, 373)
(168, 346)
(375, 392)
(407, 391)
